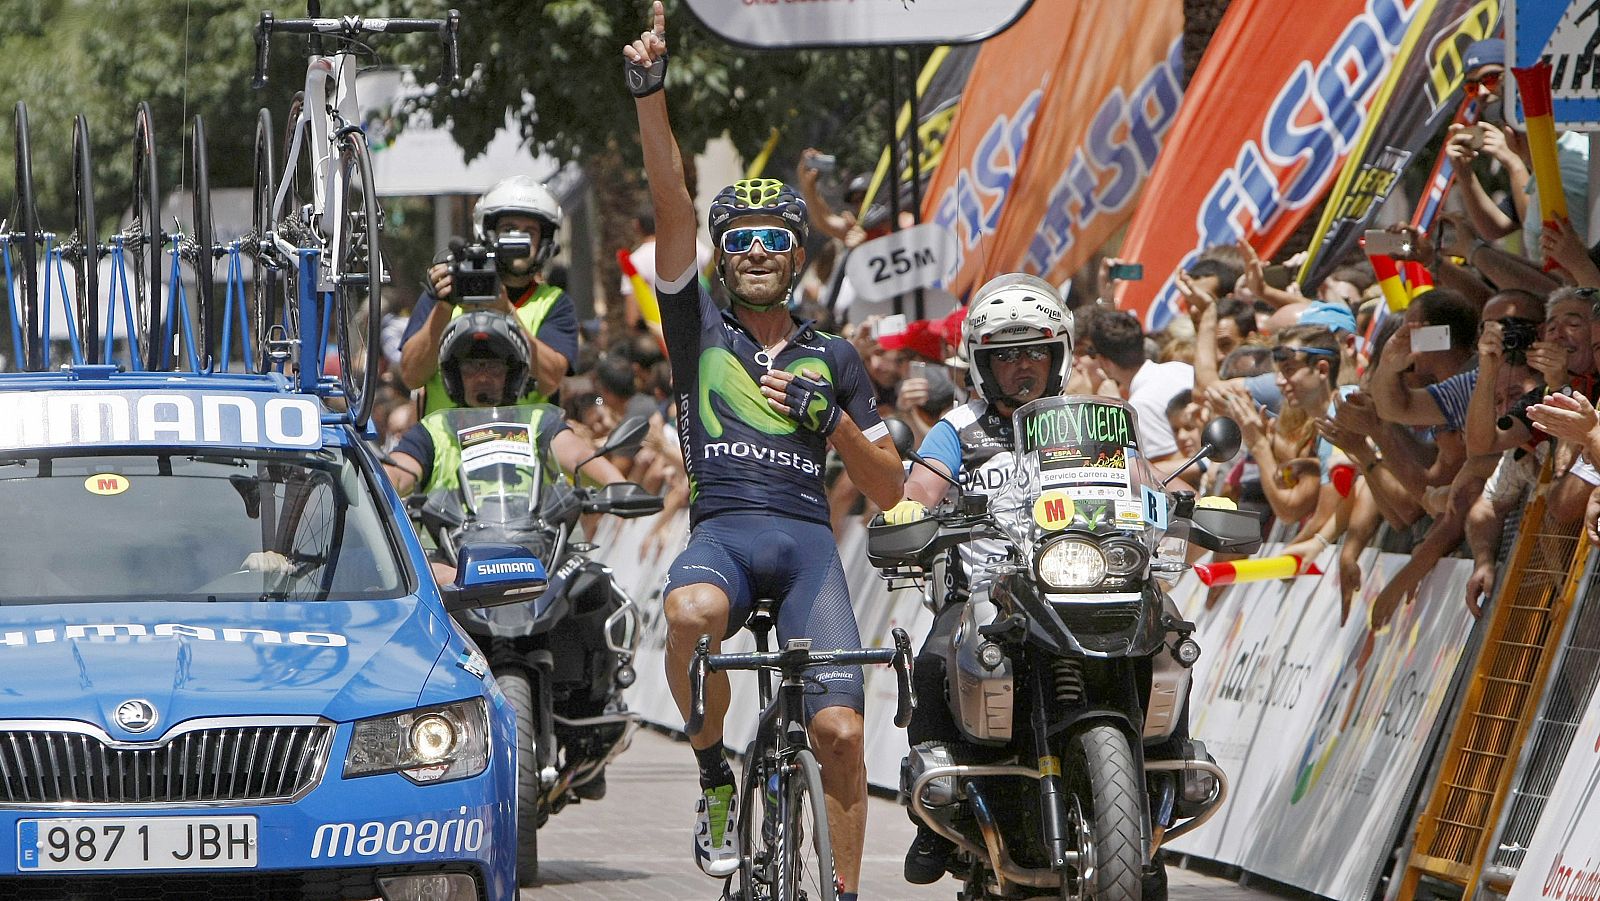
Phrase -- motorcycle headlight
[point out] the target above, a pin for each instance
(1123, 558)
(431, 744)
(1071, 563)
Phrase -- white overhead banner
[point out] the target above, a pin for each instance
(773, 24)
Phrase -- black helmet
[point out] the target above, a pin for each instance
(757, 197)
(485, 334)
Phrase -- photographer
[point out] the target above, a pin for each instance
(516, 223)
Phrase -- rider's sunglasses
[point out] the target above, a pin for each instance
(1013, 354)
(1489, 80)
(773, 238)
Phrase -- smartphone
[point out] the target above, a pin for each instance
(1128, 272)
(890, 326)
(1386, 243)
(917, 370)
(1475, 141)
(822, 162)
(1430, 338)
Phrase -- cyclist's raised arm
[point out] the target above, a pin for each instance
(646, 65)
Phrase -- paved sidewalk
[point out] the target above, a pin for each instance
(635, 843)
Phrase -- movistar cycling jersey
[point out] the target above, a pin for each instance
(742, 455)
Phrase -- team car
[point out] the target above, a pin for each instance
(228, 672)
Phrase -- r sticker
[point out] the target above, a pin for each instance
(1155, 507)
(106, 483)
(1053, 510)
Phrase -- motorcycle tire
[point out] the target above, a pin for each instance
(519, 692)
(1103, 766)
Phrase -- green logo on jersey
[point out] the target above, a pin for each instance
(722, 374)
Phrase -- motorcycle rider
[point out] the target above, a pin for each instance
(484, 361)
(1017, 340)
(544, 313)
(761, 397)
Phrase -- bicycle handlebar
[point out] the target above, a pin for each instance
(356, 26)
(795, 660)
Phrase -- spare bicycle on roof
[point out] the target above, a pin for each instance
(314, 248)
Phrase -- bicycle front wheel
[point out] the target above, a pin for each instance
(263, 277)
(25, 241)
(144, 243)
(358, 276)
(203, 261)
(86, 240)
(804, 850)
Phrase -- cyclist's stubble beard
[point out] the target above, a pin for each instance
(758, 278)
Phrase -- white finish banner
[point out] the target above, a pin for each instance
(834, 23)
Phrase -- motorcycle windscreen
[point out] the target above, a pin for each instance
(1078, 467)
(505, 458)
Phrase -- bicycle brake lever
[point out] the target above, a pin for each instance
(452, 62)
(263, 45)
(906, 703)
(697, 687)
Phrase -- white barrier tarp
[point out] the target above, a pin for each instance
(1563, 859)
(1321, 727)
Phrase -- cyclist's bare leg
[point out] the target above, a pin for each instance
(837, 736)
(693, 611)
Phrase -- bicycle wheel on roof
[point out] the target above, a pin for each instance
(143, 241)
(264, 272)
(25, 247)
(357, 273)
(198, 249)
(83, 250)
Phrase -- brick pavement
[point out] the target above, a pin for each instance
(635, 843)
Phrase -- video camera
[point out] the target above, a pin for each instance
(475, 268)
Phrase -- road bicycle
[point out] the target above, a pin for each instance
(325, 203)
(787, 852)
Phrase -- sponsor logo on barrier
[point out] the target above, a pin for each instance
(161, 418)
(129, 631)
(1313, 122)
(399, 838)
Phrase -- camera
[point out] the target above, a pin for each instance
(1517, 335)
(475, 268)
(823, 162)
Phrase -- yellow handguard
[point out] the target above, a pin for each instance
(906, 511)
(1216, 503)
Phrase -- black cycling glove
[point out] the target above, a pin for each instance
(646, 80)
(812, 404)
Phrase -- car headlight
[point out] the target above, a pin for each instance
(1071, 563)
(431, 744)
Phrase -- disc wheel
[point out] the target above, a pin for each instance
(358, 276)
(204, 261)
(25, 240)
(85, 243)
(261, 312)
(144, 243)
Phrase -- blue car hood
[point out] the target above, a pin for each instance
(339, 660)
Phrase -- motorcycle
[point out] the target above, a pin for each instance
(564, 659)
(1072, 665)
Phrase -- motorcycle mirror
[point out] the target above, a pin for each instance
(488, 575)
(628, 435)
(901, 435)
(1222, 436)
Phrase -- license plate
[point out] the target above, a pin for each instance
(136, 843)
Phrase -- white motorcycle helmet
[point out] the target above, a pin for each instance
(1013, 310)
(526, 195)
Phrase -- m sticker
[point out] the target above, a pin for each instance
(1053, 510)
(106, 483)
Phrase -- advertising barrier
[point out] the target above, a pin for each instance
(1321, 726)
(1561, 864)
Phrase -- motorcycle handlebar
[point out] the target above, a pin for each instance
(697, 686)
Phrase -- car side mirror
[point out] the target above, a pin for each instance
(489, 575)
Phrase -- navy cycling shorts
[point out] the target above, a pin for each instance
(755, 555)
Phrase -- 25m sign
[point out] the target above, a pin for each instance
(904, 261)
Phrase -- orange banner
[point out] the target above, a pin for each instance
(1060, 123)
(1277, 104)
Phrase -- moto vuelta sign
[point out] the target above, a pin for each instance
(1246, 160)
(835, 23)
(903, 261)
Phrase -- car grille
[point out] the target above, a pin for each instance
(311, 885)
(211, 763)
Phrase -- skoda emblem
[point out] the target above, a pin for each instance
(135, 715)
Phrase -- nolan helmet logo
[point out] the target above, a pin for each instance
(135, 715)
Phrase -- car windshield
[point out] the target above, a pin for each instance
(186, 526)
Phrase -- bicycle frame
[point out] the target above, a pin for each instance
(325, 124)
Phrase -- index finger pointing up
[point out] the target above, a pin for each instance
(660, 13)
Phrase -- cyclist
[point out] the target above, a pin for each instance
(485, 360)
(761, 397)
(546, 315)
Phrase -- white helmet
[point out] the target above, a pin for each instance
(520, 194)
(1011, 310)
